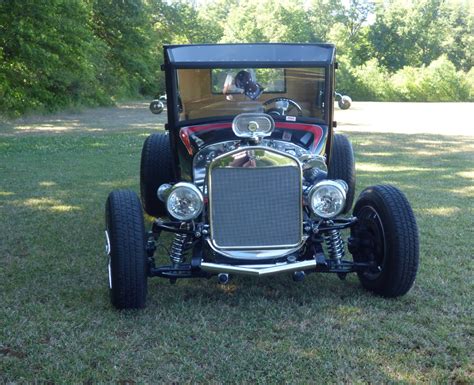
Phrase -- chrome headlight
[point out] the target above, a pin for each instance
(327, 198)
(185, 201)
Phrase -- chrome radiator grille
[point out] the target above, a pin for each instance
(256, 206)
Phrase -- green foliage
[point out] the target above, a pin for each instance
(438, 82)
(131, 58)
(47, 50)
(64, 53)
(416, 33)
(470, 83)
(458, 42)
(179, 22)
(61, 53)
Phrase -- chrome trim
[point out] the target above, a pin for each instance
(263, 265)
(314, 161)
(260, 271)
(108, 250)
(255, 254)
(251, 122)
(254, 157)
(107, 243)
(205, 156)
(109, 268)
(163, 191)
(279, 159)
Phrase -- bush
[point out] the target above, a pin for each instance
(439, 82)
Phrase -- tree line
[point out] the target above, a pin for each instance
(60, 53)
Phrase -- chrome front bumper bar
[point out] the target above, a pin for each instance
(258, 270)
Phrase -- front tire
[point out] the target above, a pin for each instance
(125, 232)
(386, 234)
(342, 166)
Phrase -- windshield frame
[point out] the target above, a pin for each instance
(171, 77)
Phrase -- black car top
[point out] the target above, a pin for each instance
(255, 55)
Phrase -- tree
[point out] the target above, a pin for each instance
(179, 22)
(458, 42)
(267, 21)
(323, 15)
(46, 50)
(407, 33)
(132, 56)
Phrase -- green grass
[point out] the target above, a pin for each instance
(58, 326)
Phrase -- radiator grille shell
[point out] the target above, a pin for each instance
(255, 200)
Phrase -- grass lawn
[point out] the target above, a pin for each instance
(58, 326)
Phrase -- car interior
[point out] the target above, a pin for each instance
(204, 93)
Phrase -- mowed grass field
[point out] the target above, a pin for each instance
(57, 325)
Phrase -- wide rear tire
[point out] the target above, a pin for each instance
(342, 166)
(386, 233)
(156, 168)
(125, 232)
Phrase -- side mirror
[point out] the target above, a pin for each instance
(156, 107)
(344, 102)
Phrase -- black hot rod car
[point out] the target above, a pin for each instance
(250, 178)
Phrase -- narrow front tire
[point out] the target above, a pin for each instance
(125, 232)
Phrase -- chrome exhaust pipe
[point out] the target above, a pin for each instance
(260, 271)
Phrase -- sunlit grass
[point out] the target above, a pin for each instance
(47, 204)
(377, 167)
(466, 174)
(442, 211)
(58, 325)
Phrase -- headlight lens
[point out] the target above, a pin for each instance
(185, 201)
(328, 197)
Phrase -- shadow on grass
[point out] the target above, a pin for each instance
(271, 329)
(435, 172)
(70, 180)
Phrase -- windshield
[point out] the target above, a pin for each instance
(285, 92)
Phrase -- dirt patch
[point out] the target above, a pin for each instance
(124, 116)
(408, 118)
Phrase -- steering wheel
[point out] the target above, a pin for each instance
(282, 106)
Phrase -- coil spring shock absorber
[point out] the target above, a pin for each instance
(179, 245)
(335, 244)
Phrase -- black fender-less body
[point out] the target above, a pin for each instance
(250, 179)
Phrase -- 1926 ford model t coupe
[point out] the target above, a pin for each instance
(251, 179)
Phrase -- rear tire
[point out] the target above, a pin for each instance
(156, 168)
(342, 166)
(387, 234)
(126, 249)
